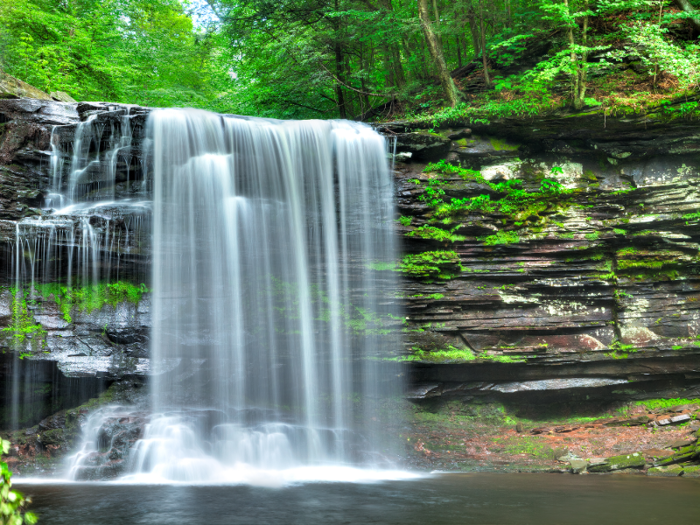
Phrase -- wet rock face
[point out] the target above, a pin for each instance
(40, 141)
(595, 290)
(115, 437)
(30, 128)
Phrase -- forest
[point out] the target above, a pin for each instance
(356, 59)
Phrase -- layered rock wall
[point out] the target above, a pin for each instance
(594, 286)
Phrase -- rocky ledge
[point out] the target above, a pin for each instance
(551, 255)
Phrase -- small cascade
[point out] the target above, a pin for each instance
(81, 240)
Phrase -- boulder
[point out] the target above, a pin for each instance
(62, 96)
(11, 87)
(666, 472)
(611, 464)
(692, 471)
(423, 146)
(578, 466)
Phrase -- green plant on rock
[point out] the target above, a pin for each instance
(502, 237)
(23, 325)
(436, 234)
(432, 265)
(452, 354)
(464, 173)
(90, 297)
(405, 221)
(12, 503)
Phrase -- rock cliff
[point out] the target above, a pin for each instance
(574, 247)
(585, 283)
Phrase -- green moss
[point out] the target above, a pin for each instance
(692, 216)
(503, 145)
(452, 355)
(619, 231)
(534, 446)
(431, 265)
(405, 221)
(23, 325)
(449, 169)
(626, 264)
(592, 236)
(566, 235)
(90, 298)
(653, 404)
(437, 234)
(502, 237)
(627, 251)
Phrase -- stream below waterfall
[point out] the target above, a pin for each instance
(480, 499)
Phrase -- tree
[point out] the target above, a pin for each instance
(435, 50)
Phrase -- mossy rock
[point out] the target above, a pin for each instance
(635, 460)
(666, 472)
(692, 471)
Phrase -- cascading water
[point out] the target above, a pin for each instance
(266, 317)
(269, 325)
(77, 241)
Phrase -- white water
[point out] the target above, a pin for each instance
(267, 321)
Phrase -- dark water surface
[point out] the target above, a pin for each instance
(483, 499)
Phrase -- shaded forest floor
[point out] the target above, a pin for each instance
(456, 436)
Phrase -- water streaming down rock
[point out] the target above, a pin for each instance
(267, 319)
(78, 240)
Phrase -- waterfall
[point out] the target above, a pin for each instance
(269, 326)
(266, 314)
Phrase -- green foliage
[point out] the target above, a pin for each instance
(431, 265)
(502, 237)
(90, 298)
(12, 502)
(436, 234)
(551, 187)
(433, 194)
(454, 355)
(23, 325)
(134, 51)
(81, 298)
(347, 58)
(405, 221)
(654, 404)
(444, 167)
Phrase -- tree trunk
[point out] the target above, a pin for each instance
(583, 68)
(459, 51)
(686, 6)
(437, 20)
(342, 110)
(435, 51)
(484, 57)
(575, 78)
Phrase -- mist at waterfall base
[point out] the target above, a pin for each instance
(268, 322)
